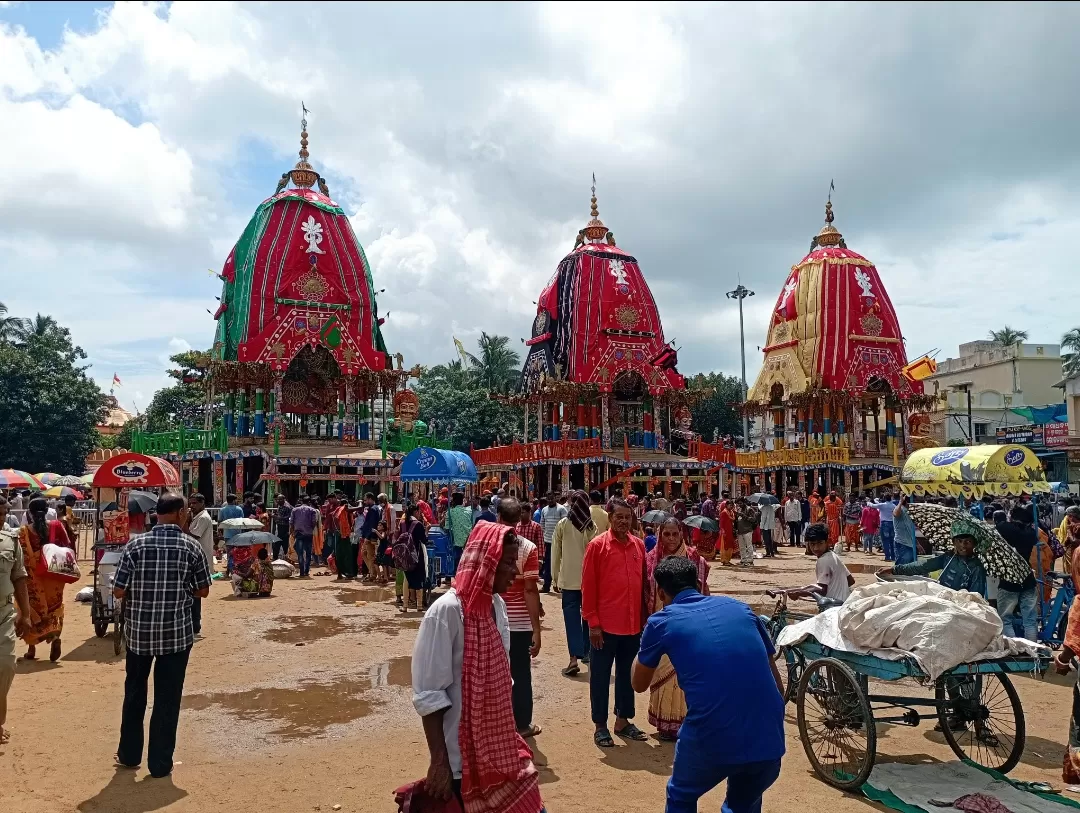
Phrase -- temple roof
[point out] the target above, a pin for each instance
(298, 277)
(597, 319)
(833, 327)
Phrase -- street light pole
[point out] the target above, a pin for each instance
(741, 293)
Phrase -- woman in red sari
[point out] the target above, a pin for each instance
(46, 594)
(667, 702)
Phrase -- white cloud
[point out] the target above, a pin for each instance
(461, 141)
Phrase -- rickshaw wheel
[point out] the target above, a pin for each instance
(97, 613)
(994, 731)
(836, 724)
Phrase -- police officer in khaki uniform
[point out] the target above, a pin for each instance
(14, 615)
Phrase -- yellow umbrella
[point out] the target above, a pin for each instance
(60, 491)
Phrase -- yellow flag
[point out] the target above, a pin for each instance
(461, 350)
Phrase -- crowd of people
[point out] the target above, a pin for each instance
(645, 616)
(635, 602)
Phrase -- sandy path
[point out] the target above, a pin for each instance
(272, 726)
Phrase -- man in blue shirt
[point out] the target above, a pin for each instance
(723, 657)
(230, 511)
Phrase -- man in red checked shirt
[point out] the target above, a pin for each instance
(612, 583)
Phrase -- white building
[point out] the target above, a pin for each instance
(996, 379)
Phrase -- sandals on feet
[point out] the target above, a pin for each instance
(570, 671)
(531, 731)
(603, 739)
(632, 732)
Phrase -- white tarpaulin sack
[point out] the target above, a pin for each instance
(939, 626)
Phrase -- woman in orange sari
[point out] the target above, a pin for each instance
(46, 594)
(726, 518)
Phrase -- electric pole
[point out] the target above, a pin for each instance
(741, 293)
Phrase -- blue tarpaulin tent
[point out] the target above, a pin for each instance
(425, 464)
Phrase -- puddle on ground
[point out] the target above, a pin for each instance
(298, 713)
(303, 629)
(395, 672)
(388, 626)
(350, 595)
(310, 708)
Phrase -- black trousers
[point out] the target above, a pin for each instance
(521, 672)
(196, 614)
(619, 652)
(795, 533)
(770, 543)
(281, 548)
(169, 671)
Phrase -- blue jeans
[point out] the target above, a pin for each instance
(303, 552)
(577, 628)
(868, 543)
(545, 569)
(1011, 604)
(904, 550)
(692, 778)
(887, 541)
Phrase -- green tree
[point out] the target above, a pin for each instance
(454, 399)
(716, 411)
(1070, 355)
(50, 407)
(182, 403)
(1007, 337)
(11, 327)
(497, 366)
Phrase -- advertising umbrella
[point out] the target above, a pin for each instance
(60, 491)
(48, 478)
(13, 478)
(249, 538)
(998, 557)
(761, 498)
(141, 502)
(702, 523)
(249, 523)
(655, 517)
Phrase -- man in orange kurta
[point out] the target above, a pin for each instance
(815, 508)
(833, 508)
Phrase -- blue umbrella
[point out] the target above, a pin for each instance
(249, 538)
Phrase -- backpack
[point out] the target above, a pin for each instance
(405, 556)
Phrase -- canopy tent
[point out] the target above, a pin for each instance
(428, 465)
(974, 471)
(1051, 413)
(129, 470)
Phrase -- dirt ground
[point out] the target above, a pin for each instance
(301, 702)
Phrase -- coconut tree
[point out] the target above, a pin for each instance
(496, 367)
(1070, 352)
(11, 327)
(1007, 337)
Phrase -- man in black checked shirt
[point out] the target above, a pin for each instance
(159, 575)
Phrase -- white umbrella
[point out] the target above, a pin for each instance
(240, 523)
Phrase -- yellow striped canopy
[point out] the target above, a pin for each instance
(974, 471)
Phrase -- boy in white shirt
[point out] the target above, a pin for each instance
(833, 579)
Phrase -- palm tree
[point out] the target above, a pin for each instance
(39, 327)
(453, 374)
(496, 368)
(1070, 361)
(11, 327)
(1007, 337)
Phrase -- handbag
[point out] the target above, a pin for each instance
(56, 562)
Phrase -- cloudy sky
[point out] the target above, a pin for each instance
(136, 140)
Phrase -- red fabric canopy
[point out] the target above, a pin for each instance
(133, 470)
